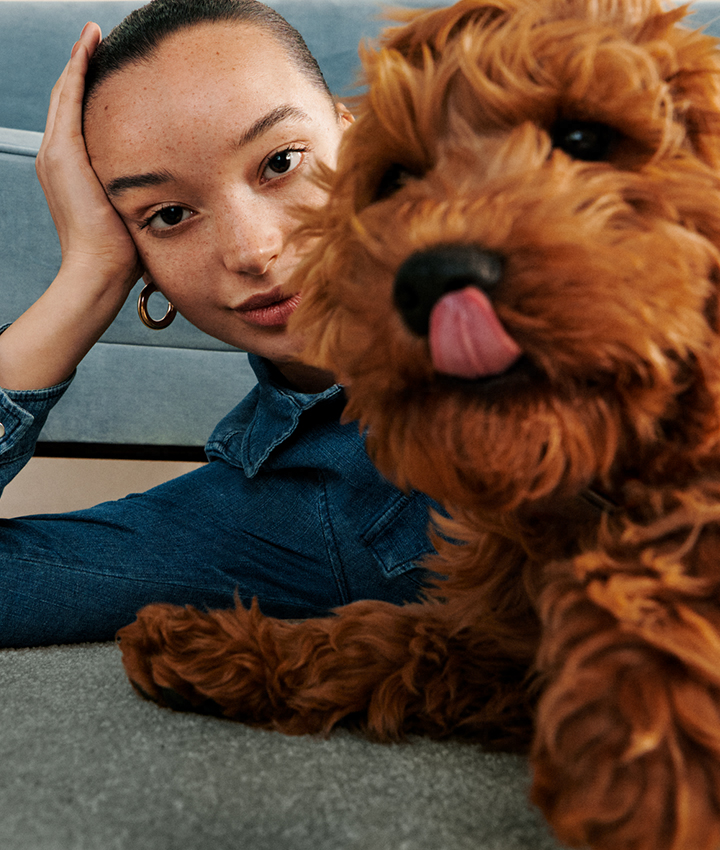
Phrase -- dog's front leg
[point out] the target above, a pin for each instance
(390, 669)
(627, 749)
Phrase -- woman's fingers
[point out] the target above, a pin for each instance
(89, 228)
(74, 88)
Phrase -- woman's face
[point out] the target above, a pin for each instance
(204, 150)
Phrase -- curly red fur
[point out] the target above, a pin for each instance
(590, 635)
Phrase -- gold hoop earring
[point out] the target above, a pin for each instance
(145, 317)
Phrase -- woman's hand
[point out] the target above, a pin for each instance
(99, 262)
(91, 232)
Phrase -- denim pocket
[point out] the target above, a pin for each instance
(398, 535)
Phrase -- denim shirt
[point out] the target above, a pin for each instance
(277, 431)
(294, 445)
(22, 416)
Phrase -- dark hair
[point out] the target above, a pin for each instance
(138, 36)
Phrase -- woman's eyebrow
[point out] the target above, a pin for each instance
(137, 181)
(268, 121)
(157, 178)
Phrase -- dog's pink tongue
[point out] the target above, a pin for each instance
(466, 337)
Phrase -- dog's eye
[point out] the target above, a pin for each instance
(394, 178)
(590, 141)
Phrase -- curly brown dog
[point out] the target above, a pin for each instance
(516, 276)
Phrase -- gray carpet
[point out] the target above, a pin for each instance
(85, 765)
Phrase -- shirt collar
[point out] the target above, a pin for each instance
(263, 420)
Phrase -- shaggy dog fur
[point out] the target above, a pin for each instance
(516, 276)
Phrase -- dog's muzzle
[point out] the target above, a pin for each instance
(444, 294)
(426, 276)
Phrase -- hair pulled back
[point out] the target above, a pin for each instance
(137, 37)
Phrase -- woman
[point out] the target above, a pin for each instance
(203, 122)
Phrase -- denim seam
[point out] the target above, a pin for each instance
(252, 465)
(381, 521)
(331, 543)
(381, 525)
(162, 584)
(47, 394)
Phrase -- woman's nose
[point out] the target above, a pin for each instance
(251, 238)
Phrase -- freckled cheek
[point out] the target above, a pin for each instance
(179, 271)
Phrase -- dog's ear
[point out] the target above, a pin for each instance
(693, 78)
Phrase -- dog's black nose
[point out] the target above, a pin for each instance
(426, 276)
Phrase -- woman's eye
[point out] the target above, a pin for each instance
(169, 216)
(282, 162)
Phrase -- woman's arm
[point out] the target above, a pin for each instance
(99, 262)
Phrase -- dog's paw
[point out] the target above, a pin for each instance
(155, 649)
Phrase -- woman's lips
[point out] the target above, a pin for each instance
(269, 310)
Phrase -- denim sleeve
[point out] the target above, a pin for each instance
(22, 416)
